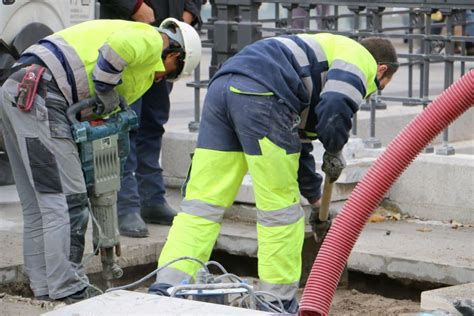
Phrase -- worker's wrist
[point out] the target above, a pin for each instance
(314, 200)
(138, 4)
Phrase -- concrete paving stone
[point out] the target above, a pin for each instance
(128, 303)
(8, 195)
(444, 298)
(437, 187)
(441, 254)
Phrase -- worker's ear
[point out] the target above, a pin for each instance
(171, 61)
(173, 55)
(381, 69)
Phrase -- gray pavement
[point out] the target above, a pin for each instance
(423, 251)
(447, 298)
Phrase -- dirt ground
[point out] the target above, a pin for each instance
(352, 302)
(346, 302)
(22, 306)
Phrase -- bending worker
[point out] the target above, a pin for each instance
(102, 58)
(141, 198)
(258, 105)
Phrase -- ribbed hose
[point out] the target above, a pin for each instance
(340, 240)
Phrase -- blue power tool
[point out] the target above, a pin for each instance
(103, 149)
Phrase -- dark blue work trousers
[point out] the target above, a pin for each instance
(142, 183)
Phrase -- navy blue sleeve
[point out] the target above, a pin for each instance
(105, 76)
(309, 180)
(342, 93)
(334, 113)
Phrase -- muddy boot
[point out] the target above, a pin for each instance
(45, 298)
(83, 294)
(290, 306)
(160, 289)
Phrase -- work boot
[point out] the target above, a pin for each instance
(44, 298)
(83, 294)
(161, 214)
(132, 225)
(290, 306)
(159, 289)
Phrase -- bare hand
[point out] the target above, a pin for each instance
(188, 17)
(144, 14)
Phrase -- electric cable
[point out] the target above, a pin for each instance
(149, 275)
(259, 296)
(90, 256)
(217, 264)
(230, 276)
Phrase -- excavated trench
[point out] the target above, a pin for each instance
(364, 293)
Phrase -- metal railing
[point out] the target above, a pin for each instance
(236, 23)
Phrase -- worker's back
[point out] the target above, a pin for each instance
(286, 64)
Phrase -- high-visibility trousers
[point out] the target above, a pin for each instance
(244, 128)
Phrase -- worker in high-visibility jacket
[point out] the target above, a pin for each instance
(257, 106)
(102, 58)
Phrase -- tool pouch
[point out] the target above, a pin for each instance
(28, 87)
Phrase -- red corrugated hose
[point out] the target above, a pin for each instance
(340, 240)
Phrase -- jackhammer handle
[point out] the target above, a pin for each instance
(326, 200)
(85, 104)
(78, 107)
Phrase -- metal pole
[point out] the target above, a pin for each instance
(377, 28)
(463, 44)
(446, 149)
(412, 21)
(422, 50)
(410, 51)
(194, 125)
(372, 142)
(426, 68)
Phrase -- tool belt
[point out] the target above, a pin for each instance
(28, 87)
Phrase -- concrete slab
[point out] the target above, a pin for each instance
(416, 250)
(444, 298)
(134, 303)
(8, 195)
(437, 187)
(441, 254)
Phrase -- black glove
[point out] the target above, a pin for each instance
(333, 164)
(319, 228)
(106, 102)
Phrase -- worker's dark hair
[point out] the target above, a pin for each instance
(384, 53)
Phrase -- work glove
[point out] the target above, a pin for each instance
(319, 228)
(333, 164)
(106, 102)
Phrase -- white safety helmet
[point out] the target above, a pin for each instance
(188, 38)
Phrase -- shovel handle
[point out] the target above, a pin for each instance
(326, 200)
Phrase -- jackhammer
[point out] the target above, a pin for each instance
(103, 149)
